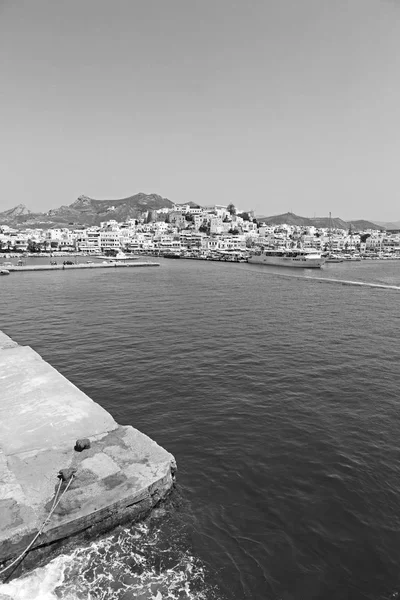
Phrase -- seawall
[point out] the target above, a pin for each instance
(61, 267)
(119, 478)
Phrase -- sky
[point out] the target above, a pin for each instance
(274, 105)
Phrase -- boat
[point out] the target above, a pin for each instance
(171, 255)
(303, 258)
(120, 256)
(352, 257)
(231, 256)
(333, 258)
(4, 272)
(114, 256)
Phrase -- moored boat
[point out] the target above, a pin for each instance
(171, 255)
(305, 259)
(352, 257)
(333, 258)
(113, 256)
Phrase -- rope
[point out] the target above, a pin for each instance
(56, 502)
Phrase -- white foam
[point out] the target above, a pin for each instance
(111, 567)
(368, 284)
(382, 286)
(40, 584)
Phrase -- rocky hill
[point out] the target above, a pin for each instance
(18, 211)
(335, 223)
(85, 211)
(19, 216)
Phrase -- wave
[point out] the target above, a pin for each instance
(142, 561)
(356, 283)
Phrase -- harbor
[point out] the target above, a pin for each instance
(250, 152)
(68, 471)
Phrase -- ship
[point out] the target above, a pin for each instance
(305, 259)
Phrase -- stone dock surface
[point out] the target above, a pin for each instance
(119, 478)
(61, 267)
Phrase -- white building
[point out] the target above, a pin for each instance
(110, 239)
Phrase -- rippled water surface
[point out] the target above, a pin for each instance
(277, 393)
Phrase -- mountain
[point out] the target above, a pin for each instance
(362, 225)
(88, 211)
(17, 211)
(320, 222)
(389, 225)
(85, 211)
(18, 216)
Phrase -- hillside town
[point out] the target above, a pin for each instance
(187, 229)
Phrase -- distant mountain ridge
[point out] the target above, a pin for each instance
(319, 222)
(17, 211)
(85, 211)
(389, 225)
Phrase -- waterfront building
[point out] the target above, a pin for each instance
(20, 242)
(110, 239)
(310, 241)
(210, 244)
(88, 240)
(391, 243)
(166, 243)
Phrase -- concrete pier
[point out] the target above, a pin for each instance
(120, 477)
(61, 267)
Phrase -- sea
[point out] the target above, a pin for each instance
(278, 392)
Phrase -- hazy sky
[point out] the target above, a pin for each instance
(274, 105)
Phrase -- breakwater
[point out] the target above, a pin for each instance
(116, 474)
(62, 267)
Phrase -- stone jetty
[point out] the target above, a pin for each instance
(116, 474)
(62, 267)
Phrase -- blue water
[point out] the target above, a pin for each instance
(278, 395)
